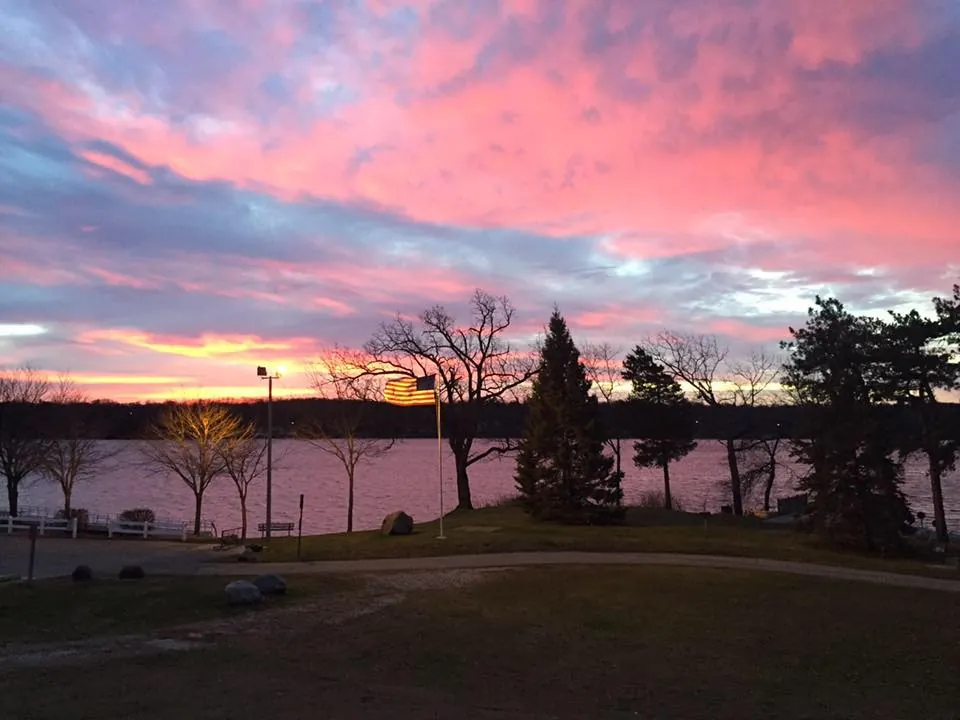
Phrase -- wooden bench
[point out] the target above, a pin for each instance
(43, 524)
(286, 527)
(146, 529)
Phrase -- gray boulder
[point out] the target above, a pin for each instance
(243, 592)
(131, 572)
(248, 555)
(397, 523)
(271, 585)
(82, 573)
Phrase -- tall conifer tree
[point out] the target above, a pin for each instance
(672, 437)
(562, 471)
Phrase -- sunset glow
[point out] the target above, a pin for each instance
(192, 189)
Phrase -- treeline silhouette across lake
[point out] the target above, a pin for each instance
(626, 419)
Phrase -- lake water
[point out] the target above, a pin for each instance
(403, 479)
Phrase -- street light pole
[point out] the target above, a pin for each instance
(264, 375)
(269, 453)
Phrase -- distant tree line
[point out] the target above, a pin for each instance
(623, 418)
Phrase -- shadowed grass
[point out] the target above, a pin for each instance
(509, 529)
(55, 610)
(566, 643)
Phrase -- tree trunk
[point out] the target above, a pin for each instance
(734, 477)
(243, 518)
(616, 453)
(67, 493)
(771, 479)
(196, 515)
(667, 499)
(13, 494)
(350, 502)
(936, 490)
(461, 453)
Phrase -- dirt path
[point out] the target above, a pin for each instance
(525, 559)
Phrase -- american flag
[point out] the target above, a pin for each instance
(411, 391)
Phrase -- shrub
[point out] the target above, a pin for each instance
(649, 499)
(138, 515)
(508, 500)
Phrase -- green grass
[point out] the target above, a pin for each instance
(557, 642)
(508, 529)
(57, 610)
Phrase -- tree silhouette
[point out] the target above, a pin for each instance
(673, 437)
(190, 441)
(475, 365)
(562, 472)
(836, 368)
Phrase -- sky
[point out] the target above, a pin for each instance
(192, 188)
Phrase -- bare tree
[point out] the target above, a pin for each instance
(702, 363)
(74, 453)
(341, 433)
(605, 370)
(244, 462)
(189, 441)
(475, 366)
(23, 448)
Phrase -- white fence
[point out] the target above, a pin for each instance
(46, 521)
(43, 524)
(146, 529)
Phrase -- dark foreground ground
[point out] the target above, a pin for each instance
(562, 642)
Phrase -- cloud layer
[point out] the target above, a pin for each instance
(190, 188)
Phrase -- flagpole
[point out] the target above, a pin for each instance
(436, 395)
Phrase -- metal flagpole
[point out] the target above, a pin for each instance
(436, 395)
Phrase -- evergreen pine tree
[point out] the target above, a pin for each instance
(673, 437)
(855, 482)
(562, 472)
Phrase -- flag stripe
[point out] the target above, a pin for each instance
(403, 391)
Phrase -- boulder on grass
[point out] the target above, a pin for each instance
(271, 585)
(82, 573)
(243, 592)
(397, 523)
(248, 555)
(132, 572)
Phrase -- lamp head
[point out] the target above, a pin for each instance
(261, 371)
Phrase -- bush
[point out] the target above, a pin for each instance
(138, 515)
(508, 500)
(654, 499)
(81, 514)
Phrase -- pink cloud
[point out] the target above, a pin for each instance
(118, 166)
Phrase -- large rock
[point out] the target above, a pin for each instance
(243, 592)
(397, 523)
(271, 585)
(82, 573)
(131, 572)
(248, 555)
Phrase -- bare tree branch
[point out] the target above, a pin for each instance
(244, 462)
(189, 441)
(474, 363)
(75, 454)
(752, 379)
(692, 359)
(22, 447)
(604, 368)
(337, 378)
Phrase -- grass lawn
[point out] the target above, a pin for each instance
(508, 529)
(57, 610)
(557, 643)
